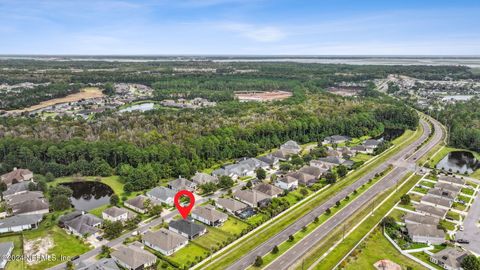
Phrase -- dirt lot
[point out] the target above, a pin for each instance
(262, 96)
(38, 247)
(85, 93)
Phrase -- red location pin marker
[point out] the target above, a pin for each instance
(184, 210)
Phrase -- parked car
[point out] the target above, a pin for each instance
(463, 241)
(460, 228)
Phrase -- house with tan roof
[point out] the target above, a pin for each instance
(16, 176)
(436, 201)
(115, 213)
(287, 182)
(165, 241)
(268, 189)
(230, 205)
(450, 258)
(423, 233)
(252, 197)
(133, 257)
(209, 215)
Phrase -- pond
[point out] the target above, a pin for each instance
(459, 161)
(88, 195)
(139, 107)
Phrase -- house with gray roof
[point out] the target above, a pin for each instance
(361, 149)
(6, 249)
(423, 233)
(20, 223)
(15, 189)
(102, 264)
(252, 197)
(140, 203)
(182, 184)
(303, 178)
(230, 205)
(165, 241)
(431, 210)
(411, 218)
(450, 258)
(287, 182)
(34, 206)
(24, 196)
(133, 257)
(115, 213)
(436, 201)
(451, 180)
(203, 178)
(83, 225)
(16, 176)
(187, 228)
(312, 170)
(291, 147)
(336, 139)
(162, 194)
(270, 159)
(441, 193)
(209, 215)
(371, 144)
(281, 155)
(268, 189)
(448, 187)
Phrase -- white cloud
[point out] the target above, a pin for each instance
(255, 32)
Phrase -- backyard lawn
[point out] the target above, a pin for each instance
(213, 239)
(234, 226)
(376, 247)
(189, 254)
(397, 214)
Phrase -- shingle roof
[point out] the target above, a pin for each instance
(187, 226)
(451, 257)
(16, 188)
(133, 256)
(25, 196)
(15, 175)
(291, 145)
(181, 183)
(421, 219)
(102, 264)
(312, 170)
(424, 230)
(452, 179)
(162, 193)
(20, 220)
(442, 193)
(30, 206)
(251, 196)
(269, 159)
(203, 178)
(449, 187)
(164, 239)
(84, 224)
(268, 189)
(115, 211)
(5, 250)
(138, 202)
(209, 213)
(287, 179)
(431, 210)
(436, 200)
(231, 204)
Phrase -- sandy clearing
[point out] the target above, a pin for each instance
(37, 248)
(85, 93)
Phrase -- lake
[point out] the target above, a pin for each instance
(88, 195)
(461, 161)
(139, 107)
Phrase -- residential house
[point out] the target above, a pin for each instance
(182, 184)
(68, 217)
(303, 178)
(165, 241)
(312, 170)
(321, 165)
(334, 153)
(423, 233)
(436, 201)
(450, 258)
(102, 264)
(431, 210)
(187, 228)
(24, 196)
(20, 223)
(281, 155)
(371, 144)
(133, 257)
(117, 214)
(140, 203)
(209, 215)
(336, 139)
(230, 205)
(15, 189)
(270, 159)
(16, 176)
(162, 194)
(448, 187)
(291, 148)
(268, 189)
(346, 152)
(29, 207)
(362, 149)
(411, 218)
(245, 167)
(6, 249)
(441, 193)
(84, 225)
(451, 180)
(202, 178)
(252, 197)
(287, 182)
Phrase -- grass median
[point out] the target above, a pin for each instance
(250, 242)
(347, 244)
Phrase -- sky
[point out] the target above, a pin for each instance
(240, 27)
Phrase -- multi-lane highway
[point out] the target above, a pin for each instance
(402, 162)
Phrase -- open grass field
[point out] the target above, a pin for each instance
(213, 239)
(85, 93)
(189, 254)
(376, 247)
(361, 157)
(233, 226)
(248, 243)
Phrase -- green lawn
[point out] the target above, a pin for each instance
(257, 219)
(98, 211)
(189, 254)
(234, 226)
(464, 198)
(459, 206)
(213, 239)
(468, 191)
(305, 206)
(426, 258)
(427, 184)
(361, 157)
(453, 215)
(376, 247)
(397, 214)
(421, 190)
(447, 225)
